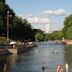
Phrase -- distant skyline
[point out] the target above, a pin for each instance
(42, 12)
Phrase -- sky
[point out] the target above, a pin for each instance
(44, 14)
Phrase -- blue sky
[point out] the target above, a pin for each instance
(46, 11)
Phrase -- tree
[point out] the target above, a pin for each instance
(39, 36)
(57, 35)
(3, 17)
(21, 29)
(69, 33)
(68, 21)
(68, 27)
(48, 37)
(2, 1)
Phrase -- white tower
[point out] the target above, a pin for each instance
(47, 28)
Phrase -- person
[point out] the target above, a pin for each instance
(43, 68)
(60, 68)
(4, 69)
(67, 67)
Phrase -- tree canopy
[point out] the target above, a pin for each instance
(19, 29)
(67, 30)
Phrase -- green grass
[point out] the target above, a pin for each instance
(3, 40)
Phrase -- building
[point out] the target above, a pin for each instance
(47, 28)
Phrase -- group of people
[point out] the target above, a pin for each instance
(60, 68)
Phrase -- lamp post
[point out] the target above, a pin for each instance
(8, 25)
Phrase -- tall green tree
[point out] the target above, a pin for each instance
(69, 33)
(67, 30)
(3, 17)
(21, 29)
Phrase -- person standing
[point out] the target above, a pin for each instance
(67, 67)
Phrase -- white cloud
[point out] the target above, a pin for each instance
(29, 15)
(36, 20)
(57, 12)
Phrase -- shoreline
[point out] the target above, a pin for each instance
(67, 42)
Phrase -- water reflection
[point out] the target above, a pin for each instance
(68, 56)
(3, 62)
(6, 61)
(12, 59)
